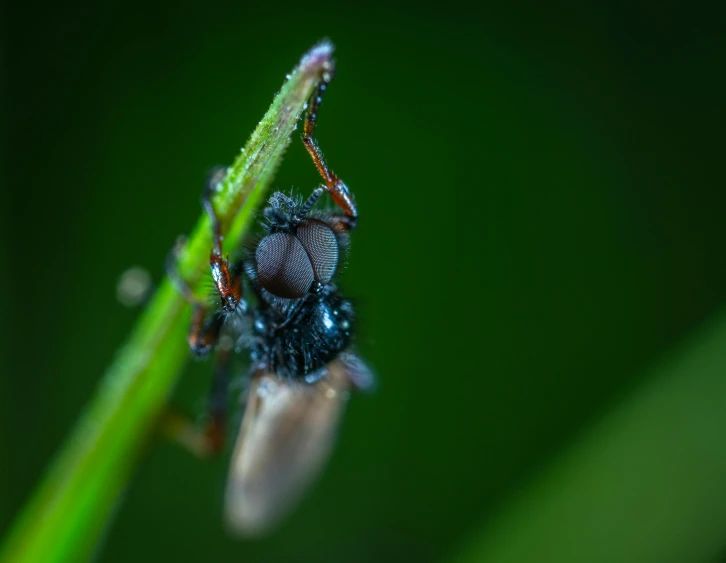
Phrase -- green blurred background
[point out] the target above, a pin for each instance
(542, 200)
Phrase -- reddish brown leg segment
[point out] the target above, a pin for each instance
(210, 437)
(227, 282)
(338, 190)
(203, 331)
(215, 423)
(204, 334)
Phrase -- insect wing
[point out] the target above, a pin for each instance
(285, 438)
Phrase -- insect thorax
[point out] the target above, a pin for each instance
(311, 333)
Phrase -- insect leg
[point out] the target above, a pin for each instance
(227, 280)
(213, 178)
(338, 190)
(209, 439)
(341, 223)
(309, 203)
(204, 329)
(214, 428)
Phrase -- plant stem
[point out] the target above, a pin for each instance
(69, 510)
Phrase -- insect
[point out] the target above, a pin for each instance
(297, 332)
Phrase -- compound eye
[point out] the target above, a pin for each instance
(322, 247)
(283, 266)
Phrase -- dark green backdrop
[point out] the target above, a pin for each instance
(542, 200)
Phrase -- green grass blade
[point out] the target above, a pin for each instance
(647, 484)
(67, 513)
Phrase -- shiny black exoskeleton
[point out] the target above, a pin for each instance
(301, 322)
(301, 339)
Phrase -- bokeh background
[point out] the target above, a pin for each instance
(542, 224)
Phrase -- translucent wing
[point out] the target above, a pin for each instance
(285, 438)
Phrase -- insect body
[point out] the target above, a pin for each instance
(297, 332)
(305, 322)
